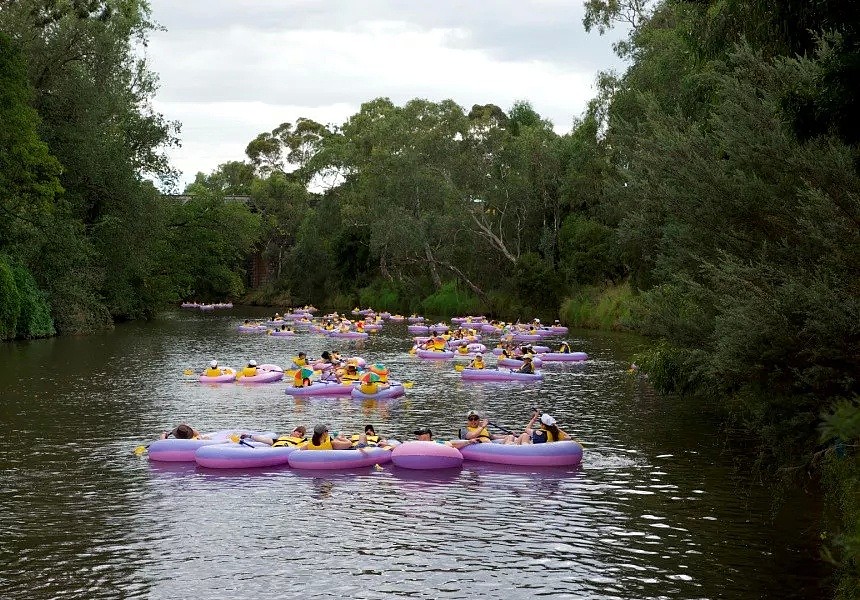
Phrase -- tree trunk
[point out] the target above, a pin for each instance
(434, 272)
(495, 240)
(478, 291)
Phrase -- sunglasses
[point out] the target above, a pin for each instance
(473, 418)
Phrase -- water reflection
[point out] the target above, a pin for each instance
(657, 510)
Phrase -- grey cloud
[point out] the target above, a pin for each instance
(505, 29)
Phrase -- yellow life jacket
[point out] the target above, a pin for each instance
(372, 440)
(369, 388)
(325, 444)
(249, 371)
(350, 376)
(210, 372)
(483, 434)
(300, 361)
(477, 364)
(543, 435)
(288, 440)
(463, 350)
(564, 349)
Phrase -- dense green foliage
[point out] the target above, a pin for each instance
(709, 197)
(78, 145)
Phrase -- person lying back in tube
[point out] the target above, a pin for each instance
(183, 431)
(476, 429)
(321, 440)
(368, 439)
(296, 438)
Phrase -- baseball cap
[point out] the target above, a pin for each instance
(422, 431)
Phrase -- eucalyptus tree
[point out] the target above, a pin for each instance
(288, 148)
(401, 168)
(513, 200)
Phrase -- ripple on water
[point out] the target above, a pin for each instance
(653, 512)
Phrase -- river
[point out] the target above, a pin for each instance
(661, 507)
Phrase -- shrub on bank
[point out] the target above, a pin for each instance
(24, 310)
(600, 307)
(451, 300)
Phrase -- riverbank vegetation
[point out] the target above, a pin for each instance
(708, 197)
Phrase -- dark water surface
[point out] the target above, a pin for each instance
(658, 509)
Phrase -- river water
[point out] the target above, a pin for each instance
(660, 507)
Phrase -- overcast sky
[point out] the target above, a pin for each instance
(231, 69)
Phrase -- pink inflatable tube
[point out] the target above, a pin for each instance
(241, 456)
(558, 329)
(435, 354)
(526, 337)
(227, 376)
(415, 319)
(252, 328)
(499, 375)
(283, 333)
(265, 374)
(552, 454)
(417, 329)
(565, 356)
(516, 363)
(348, 335)
(321, 388)
(395, 390)
(174, 450)
(339, 459)
(426, 455)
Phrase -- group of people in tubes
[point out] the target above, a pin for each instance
(332, 367)
(542, 428)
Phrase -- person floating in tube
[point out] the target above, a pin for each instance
(476, 429)
(477, 362)
(183, 431)
(527, 367)
(547, 432)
